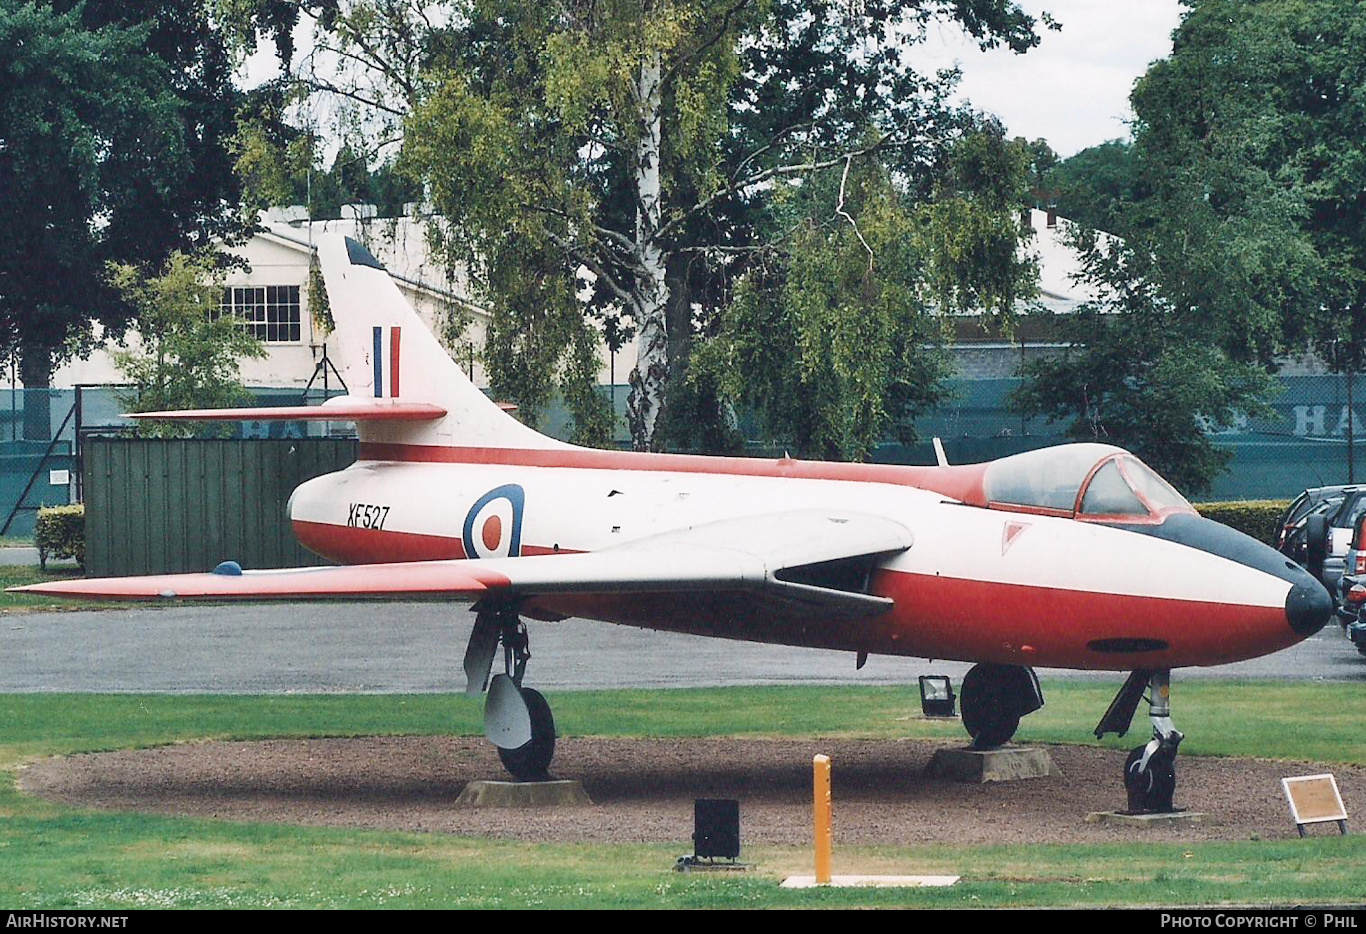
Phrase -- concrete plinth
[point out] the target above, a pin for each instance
(523, 795)
(1145, 820)
(977, 766)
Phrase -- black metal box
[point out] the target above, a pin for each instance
(716, 828)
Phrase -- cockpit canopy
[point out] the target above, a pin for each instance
(1094, 482)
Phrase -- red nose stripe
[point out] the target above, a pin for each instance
(1013, 623)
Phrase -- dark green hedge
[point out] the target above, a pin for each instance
(60, 533)
(1255, 517)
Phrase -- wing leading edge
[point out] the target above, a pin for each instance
(811, 559)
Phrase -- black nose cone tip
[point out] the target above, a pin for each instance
(1308, 608)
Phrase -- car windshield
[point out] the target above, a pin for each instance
(1091, 481)
(1351, 512)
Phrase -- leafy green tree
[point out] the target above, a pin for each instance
(627, 151)
(1096, 186)
(1238, 133)
(1141, 372)
(114, 120)
(830, 342)
(835, 339)
(1242, 199)
(186, 354)
(1042, 160)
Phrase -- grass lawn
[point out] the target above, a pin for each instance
(53, 856)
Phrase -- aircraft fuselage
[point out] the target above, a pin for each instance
(978, 584)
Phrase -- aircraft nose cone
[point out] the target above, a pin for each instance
(1308, 608)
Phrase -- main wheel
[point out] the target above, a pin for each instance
(1150, 790)
(531, 762)
(987, 708)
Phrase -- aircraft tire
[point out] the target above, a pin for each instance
(531, 762)
(987, 714)
(1150, 791)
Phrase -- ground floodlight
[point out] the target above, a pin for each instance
(936, 696)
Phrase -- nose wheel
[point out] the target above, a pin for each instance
(1150, 778)
(517, 719)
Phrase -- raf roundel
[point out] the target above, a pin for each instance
(493, 526)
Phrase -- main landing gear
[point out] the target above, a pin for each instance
(516, 719)
(1150, 770)
(994, 698)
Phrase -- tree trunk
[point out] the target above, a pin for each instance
(35, 372)
(672, 428)
(651, 373)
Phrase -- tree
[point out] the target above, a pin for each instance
(187, 354)
(1261, 107)
(1244, 221)
(1140, 371)
(635, 146)
(113, 127)
(830, 341)
(1096, 186)
(835, 339)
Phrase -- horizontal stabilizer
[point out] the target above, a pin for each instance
(340, 409)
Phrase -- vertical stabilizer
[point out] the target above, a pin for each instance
(387, 352)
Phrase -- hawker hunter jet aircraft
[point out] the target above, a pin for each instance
(1077, 556)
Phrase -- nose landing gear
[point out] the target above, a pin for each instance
(1150, 770)
(516, 719)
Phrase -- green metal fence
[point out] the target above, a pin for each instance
(163, 506)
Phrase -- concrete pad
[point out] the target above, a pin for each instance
(1145, 820)
(977, 766)
(839, 882)
(524, 795)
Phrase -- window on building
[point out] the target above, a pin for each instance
(268, 312)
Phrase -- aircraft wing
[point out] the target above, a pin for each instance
(813, 559)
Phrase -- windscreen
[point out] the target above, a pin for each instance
(1156, 492)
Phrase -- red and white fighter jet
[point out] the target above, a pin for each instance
(1076, 556)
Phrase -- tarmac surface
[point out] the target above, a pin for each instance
(419, 647)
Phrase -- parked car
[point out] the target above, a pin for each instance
(1342, 526)
(1353, 611)
(1323, 500)
(1339, 509)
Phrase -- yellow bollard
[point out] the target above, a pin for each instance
(821, 765)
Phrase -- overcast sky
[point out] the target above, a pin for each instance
(1073, 88)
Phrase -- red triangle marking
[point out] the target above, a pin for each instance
(1011, 532)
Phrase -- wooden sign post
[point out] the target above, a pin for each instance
(1314, 799)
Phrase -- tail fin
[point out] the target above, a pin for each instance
(389, 353)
